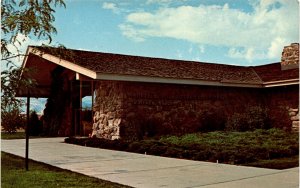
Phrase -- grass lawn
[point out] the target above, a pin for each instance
(17, 135)
(13, 174)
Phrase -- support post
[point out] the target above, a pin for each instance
(80, 108)
(72, 109)
(92, 108)
(27, 131)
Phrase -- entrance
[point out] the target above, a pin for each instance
(82, 107)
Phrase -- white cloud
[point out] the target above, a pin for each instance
(163, 2)
(248, 35)
(276, 47)
(202, 49)
(158, 1)
(110, 6)
(85, 49)
(247, 53)
(130, 32)
(20, 47)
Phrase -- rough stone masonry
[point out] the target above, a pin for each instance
(294, 116)
(289, 60)
(290, 57)
(133, 110)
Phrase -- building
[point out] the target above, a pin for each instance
(134, 96)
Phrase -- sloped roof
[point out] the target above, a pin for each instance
(272, 72)
(109, 63)
(108, 66)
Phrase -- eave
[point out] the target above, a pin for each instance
(49, 62)
(281, 83)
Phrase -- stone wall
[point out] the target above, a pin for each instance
(177, 109)
(290, 57)
(107, 110)
(278, 100)
(294, 117)
(133, 110)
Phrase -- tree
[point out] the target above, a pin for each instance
(11, 120)
(35, 124)
(31, 18)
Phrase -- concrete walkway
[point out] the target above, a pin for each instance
(139, 170)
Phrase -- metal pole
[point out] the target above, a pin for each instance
(27, 131)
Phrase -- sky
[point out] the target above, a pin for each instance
(235, 32)
(238, 32)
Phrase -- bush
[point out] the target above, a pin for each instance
(254, 117)
(135, 147)
(150, 127)
(12, 120)
(212, 120)
(282, 163)
(157, 149)
(226, 147)
(237, 122)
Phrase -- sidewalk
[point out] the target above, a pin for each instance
(139, 170)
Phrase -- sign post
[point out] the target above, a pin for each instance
(27, 131)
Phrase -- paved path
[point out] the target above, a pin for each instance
(139, 170)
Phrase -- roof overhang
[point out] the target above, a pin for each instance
(131, 78)
(281, 83)
(44, 63)
(61, 62)
(40, 65)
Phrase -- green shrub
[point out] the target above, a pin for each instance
(135, 147)
(255, 117)
(157, 149)
(173, 152)
(11, 120)
(237, 122)
(212, 120)
(282, 163)
(226, 147)
(170, 139)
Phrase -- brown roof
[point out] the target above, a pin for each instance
(272, 72)
(108, 63)
(155, 67)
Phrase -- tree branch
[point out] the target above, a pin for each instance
(7, 58)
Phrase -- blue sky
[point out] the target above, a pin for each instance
(237, 32)
(240, 32)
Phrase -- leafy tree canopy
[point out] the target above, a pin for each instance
(30, 18)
